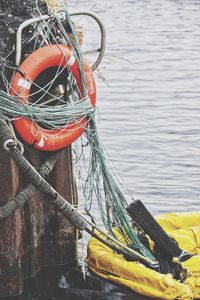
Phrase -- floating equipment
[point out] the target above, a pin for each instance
(182, 227)
(40, 60)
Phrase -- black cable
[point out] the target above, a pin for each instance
(25, 194)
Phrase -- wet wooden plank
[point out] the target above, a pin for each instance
(60, 234)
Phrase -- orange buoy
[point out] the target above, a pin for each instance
(36, 63)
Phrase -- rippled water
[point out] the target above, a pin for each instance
(150, 114)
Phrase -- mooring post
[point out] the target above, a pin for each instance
(36, 239)
(59, 233)
(52, 235)
(12, 250)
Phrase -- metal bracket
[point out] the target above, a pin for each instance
(102, 48)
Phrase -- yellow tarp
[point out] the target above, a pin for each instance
(185, 228)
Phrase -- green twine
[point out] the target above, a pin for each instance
(111, 202)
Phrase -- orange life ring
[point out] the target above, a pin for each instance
(33, 65)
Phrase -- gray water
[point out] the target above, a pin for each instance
(149, 115)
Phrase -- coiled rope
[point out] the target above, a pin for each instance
(50, 117)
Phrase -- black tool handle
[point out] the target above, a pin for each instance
(146, 221)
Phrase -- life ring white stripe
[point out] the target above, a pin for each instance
(24, 83)
(72, 60)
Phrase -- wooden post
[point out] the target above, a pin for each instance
(59, 232)
(37, 237)
(11, 244)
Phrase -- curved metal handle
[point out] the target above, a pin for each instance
(19, 35)
(102, 48)
(26, 23)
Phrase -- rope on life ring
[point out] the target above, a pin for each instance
(37, 62)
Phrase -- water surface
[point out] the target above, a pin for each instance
(149, 122)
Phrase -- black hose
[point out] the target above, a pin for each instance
(25, 194)
(43, 186)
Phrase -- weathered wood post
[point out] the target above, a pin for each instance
(37, 236)
(11, 244)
